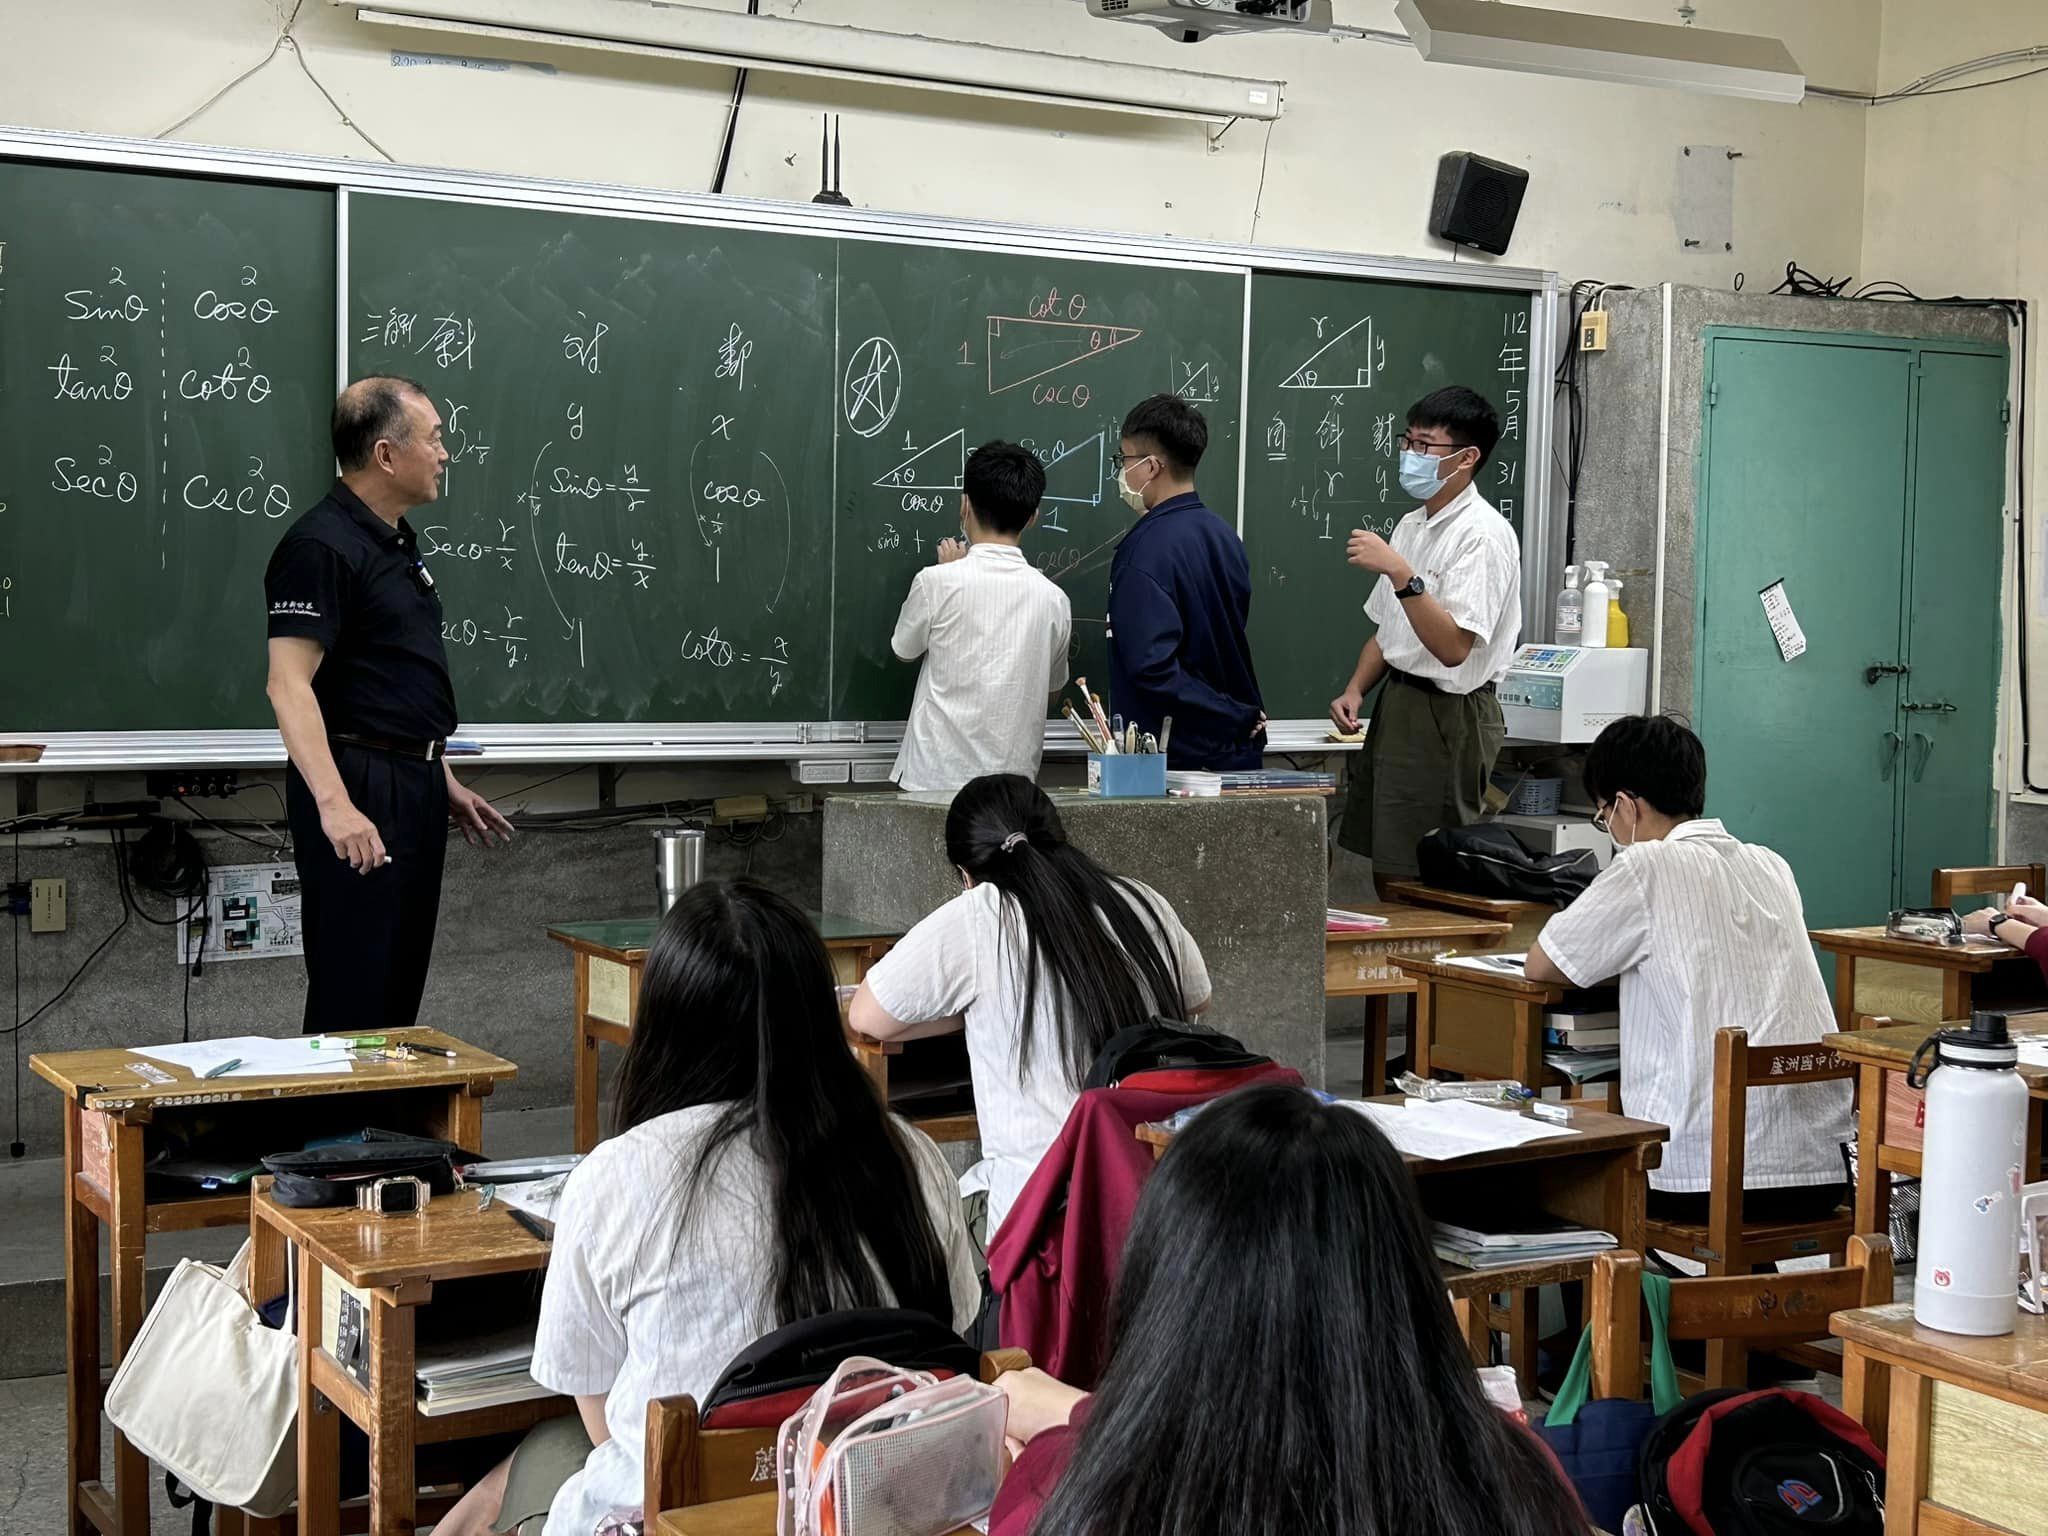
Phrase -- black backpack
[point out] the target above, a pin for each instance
(1168, 1045)
(1487, 859)
(331, 1173)
(1771, 1463)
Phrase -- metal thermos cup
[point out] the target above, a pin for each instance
(678, 863)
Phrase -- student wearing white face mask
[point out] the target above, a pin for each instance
(1448, 606)
(1703, 930)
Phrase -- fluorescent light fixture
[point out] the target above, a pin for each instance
(780, 44)
(1541, 42)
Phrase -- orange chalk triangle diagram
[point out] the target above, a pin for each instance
(1021, 350)
(941, 466)
(1345, 361)
(1076, 474)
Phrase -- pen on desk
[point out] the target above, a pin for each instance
(528, 1222)
(222, 1070)
(431, 1050)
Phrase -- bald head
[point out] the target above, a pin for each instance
(370, 409)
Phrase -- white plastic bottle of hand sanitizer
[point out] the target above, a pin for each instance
(1593, 626)
(1570, 608)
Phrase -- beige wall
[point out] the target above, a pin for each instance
(1350, 166)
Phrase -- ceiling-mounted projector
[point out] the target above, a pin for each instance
(1189, 21)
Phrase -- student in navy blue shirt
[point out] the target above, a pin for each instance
(1180, 590)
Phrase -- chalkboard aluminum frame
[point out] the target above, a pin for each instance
(854, 741)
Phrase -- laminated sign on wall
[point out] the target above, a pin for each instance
(251, 912)
(1784, 623)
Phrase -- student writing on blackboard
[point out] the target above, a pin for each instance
(359, 681)
(993, 632)
(1180, 593)
(1447, 599)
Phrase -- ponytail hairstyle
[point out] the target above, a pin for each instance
(1092, 937)
(737, 1009)
(1283, 1360)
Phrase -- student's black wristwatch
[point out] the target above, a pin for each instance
(1414, 588)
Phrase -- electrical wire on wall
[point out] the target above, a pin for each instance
(732, 116)
(1800, 283)
(1568, 386)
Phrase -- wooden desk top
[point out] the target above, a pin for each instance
(1871, 943)
(1406, 924)
(1893, 1046)
(1457, 901)
(753, 1515)
(626, 938)
(450, 1240)
(1599, 1132)
(1446, 972)
(107, 1079)
(2013, 1366)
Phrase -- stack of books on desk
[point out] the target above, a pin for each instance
(1538, 1240)
(1583, 1043)
(484, 1372)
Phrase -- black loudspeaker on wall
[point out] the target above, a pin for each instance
(1476, 201)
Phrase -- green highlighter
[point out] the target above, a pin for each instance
(346, 1042)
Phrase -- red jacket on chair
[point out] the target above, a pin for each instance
(1054, 1261)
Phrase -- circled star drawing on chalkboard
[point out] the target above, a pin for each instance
(874, 383)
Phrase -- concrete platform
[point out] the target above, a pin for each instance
(1248, 876)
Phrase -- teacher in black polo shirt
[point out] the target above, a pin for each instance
(359, 681)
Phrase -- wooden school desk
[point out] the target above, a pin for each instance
(1964, 1421)
(395, 1262)
(1360, 963)
(1598, 1178)
(115, 1117)
(1962, 968)
(1484, 1024)
(1881, 1055)
(609, 957)
(753, 1515)
(1525, 919)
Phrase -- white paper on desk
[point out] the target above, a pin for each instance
(2033, 1050)
(1492, 965)
(259, 1055)
(1451, 1128)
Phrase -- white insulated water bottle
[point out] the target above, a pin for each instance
(1967, 1275)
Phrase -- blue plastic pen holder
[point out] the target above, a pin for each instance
(1127, 775)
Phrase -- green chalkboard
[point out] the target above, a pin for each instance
(1336, 362)
(694, 469)
(636, 522)
(1041, 350)
(166, 369)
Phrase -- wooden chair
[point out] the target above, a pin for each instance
(687, 1464)
(1988, 880)
(1727, 1244)
(1732, 1313)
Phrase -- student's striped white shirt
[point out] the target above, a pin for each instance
(1705, 931)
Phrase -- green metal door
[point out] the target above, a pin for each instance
(1803, 479)
(1950, 703)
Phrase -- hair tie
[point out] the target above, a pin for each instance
(1010, 843)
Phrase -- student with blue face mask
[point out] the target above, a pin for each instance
(1446, 598)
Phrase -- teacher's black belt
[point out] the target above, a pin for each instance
(422, 751)
(1430, 685)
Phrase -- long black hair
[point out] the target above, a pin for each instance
(1283, 1358)
(1108, 966)
(737, 1009)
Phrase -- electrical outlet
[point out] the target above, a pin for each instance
(46, 906)
(1593, 331)
(799, 804)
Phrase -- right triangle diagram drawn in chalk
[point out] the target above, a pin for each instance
(1021, 350)
(942, 466)
(1076, 474)
(1345, 361)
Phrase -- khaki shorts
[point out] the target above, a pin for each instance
(551, 1454)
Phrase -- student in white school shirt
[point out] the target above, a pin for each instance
(1704, 931)
(754, 1181)
(1040, 959)
(993, 632)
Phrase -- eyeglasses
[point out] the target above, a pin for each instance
(1410, 443)
(1123, 458)
(1603, 818)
